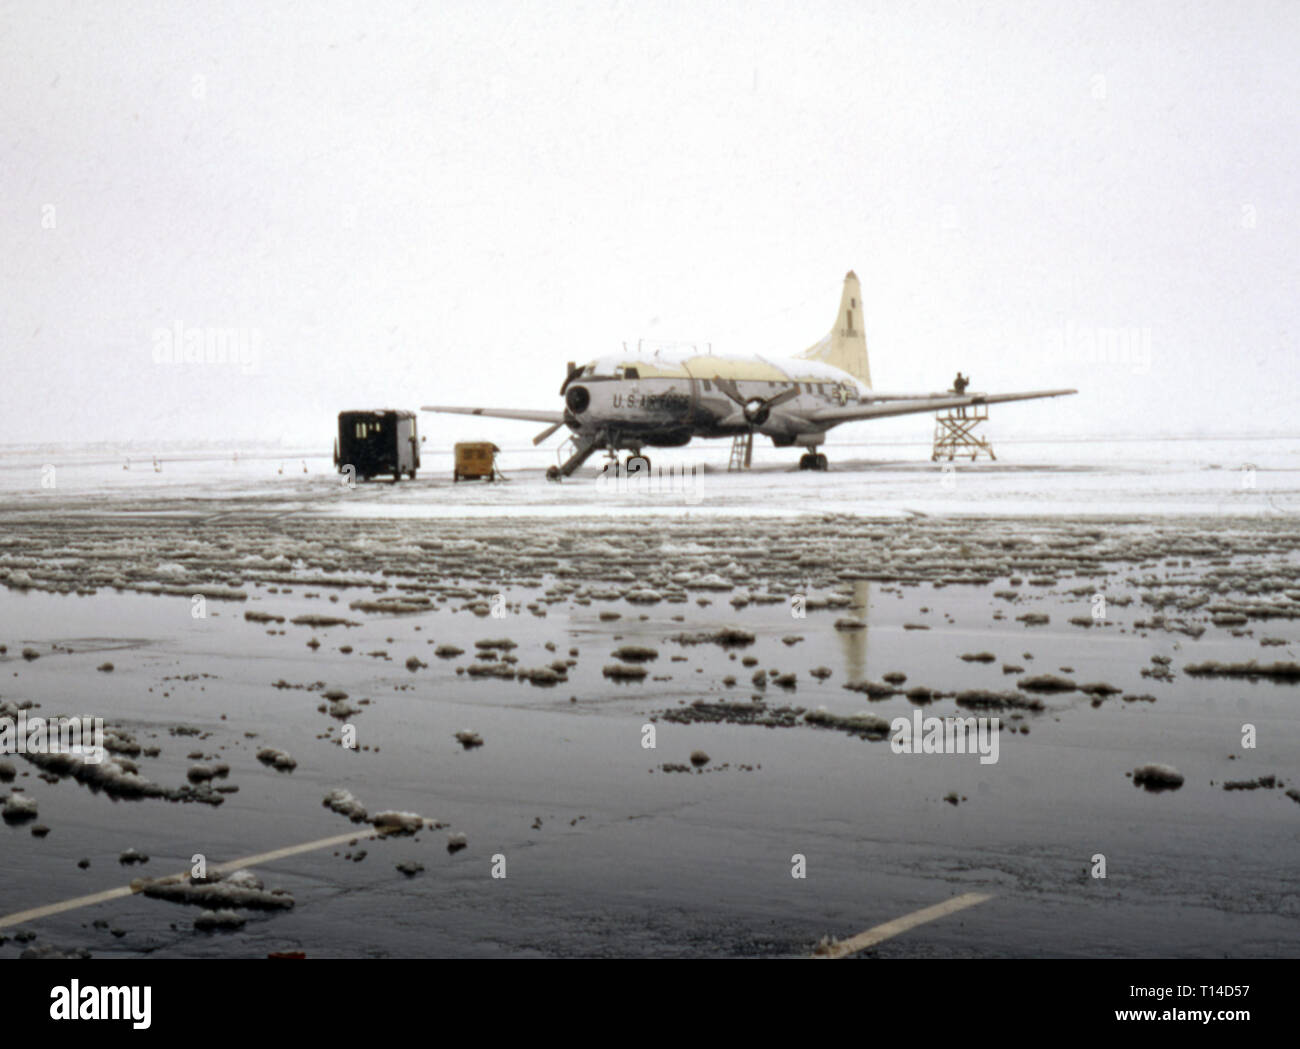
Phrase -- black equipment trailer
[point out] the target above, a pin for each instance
(376, 443)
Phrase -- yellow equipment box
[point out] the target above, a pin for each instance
(475, 460)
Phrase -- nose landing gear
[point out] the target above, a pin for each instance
(581, 448)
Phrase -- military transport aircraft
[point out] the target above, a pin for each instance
(662, 399)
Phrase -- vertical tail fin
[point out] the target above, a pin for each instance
(845, 346)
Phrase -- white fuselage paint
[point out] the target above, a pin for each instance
(666, 400)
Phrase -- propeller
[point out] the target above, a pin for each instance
(573, 372)
(547, 433)
(757, 409)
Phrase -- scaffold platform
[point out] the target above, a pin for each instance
(955, 433)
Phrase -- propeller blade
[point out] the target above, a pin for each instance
(546, 433)
(728, 387)
(782, 397)
(572, 373)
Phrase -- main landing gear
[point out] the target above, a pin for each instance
(813, 461)
(635, 465)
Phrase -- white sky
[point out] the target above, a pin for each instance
(442, 203)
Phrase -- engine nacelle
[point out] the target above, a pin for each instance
(577, 399)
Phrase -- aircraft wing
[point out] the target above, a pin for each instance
(938, 403)
(501, 413)
(929, 395)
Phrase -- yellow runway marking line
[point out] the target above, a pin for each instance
(863, 940)
(19, 917)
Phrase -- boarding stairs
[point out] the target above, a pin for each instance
(572, 454)
(742, 451)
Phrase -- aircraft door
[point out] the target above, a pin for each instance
(630, 391)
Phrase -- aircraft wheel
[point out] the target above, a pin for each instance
(820, 462)
(805, 462)
(552, 473)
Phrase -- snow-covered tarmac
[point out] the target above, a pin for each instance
(607, 848)
(1121, 476)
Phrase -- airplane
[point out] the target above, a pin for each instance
(664, 399)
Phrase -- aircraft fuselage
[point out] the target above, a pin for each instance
(665, 402)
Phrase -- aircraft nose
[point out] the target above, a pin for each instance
(577, 399)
